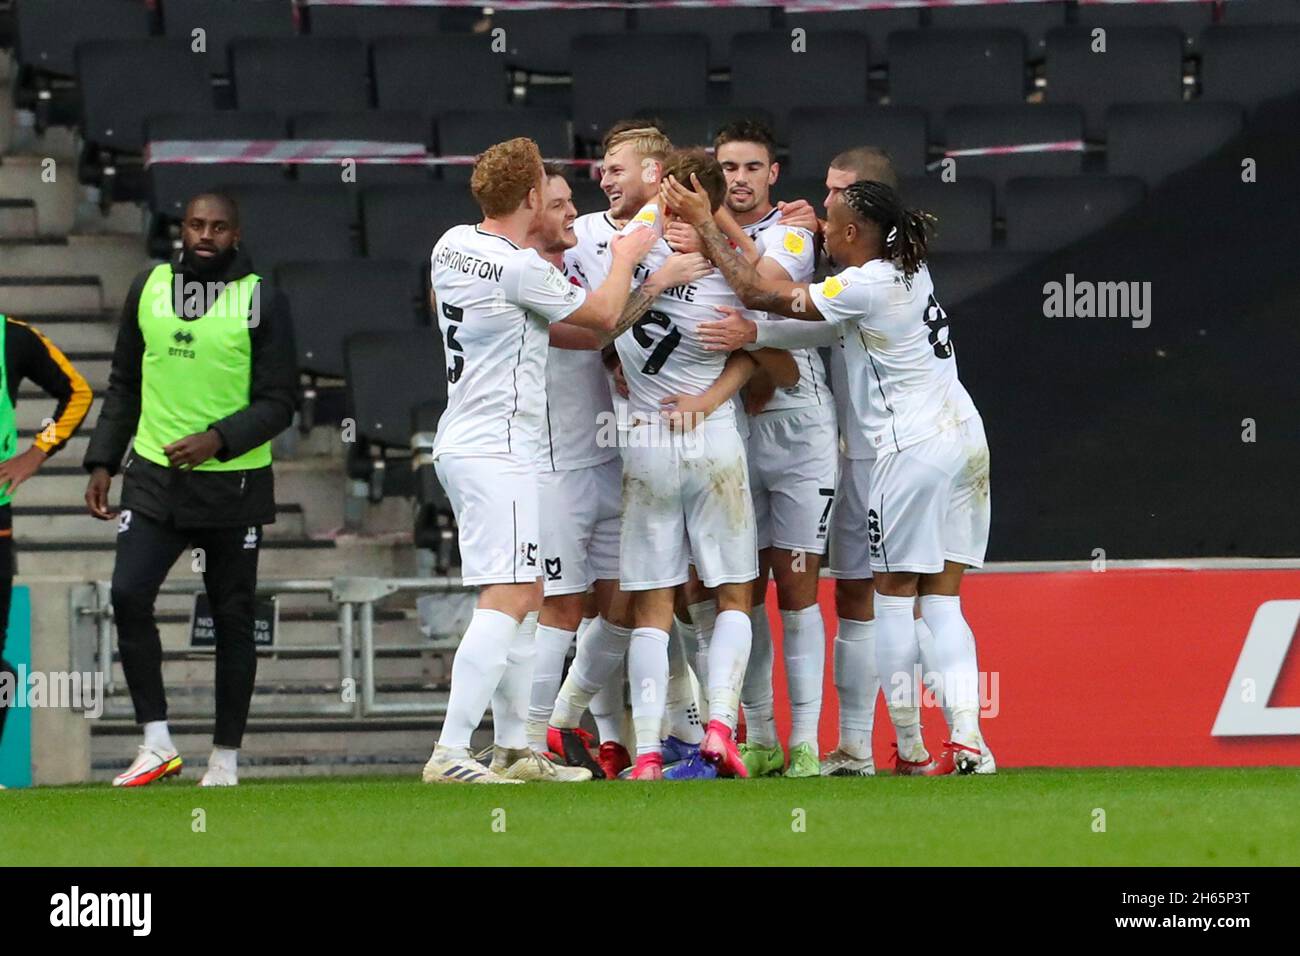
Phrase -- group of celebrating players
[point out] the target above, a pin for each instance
(639, 432)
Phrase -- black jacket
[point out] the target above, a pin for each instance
(201, 499)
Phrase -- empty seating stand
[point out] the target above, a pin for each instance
(469, 132)
(817, 135)
(388, 375)
(876, 24)
(717, 25)
(1046, 213)
(959, 276)
(1033, 20)
(295, 221)
(767, 72)
(370, 125)
(939, 69)
(431, 75)
(404, 222)
(615, 76)
(208, 26)
(701, 125)
(964, 210)
(539, 41)
(299, 74)
(1154, 140)
(172, 185)
(1249, 64)
(970, 127)
(1139, 64)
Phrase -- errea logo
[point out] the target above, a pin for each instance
(76, 909)
(183, 340)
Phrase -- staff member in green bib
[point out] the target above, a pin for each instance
(203, 378)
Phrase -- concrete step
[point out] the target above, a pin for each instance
(74, 332)
(37, 412)
(18, 218)
(26, 295)
(28, 176)
(71, 522)
(114, 259)
(92, 558)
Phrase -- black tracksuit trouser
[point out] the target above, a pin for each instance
(146, 550)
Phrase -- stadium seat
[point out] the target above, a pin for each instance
(221, 21)
(964, 210)
(171, 186)
(329, 301)
(1189, 18)
(700, 126)
(375, 125)
(123, 82)
(973, 126)
(434, 526)
(371, 22)
(615, 76)
(1262, 11)
(1249, 64)
(1140, 64)
(539, 41)
(48, 31)
(876, 24)
(403, 222)
(434, 74)
(299, 74)
(1031, 19)
(1154, 140)
(295, 221)
(469, 132)
(817, 135)
(958, 276)
(1046, 213)
(388, 375)
(716, 24)
(939, 69)
(587, 194)
(766, 72)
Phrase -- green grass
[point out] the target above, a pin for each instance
(1153, 817)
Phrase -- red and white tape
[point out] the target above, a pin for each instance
(800, 6)
(306, 152)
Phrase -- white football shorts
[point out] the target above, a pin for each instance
(929, 503)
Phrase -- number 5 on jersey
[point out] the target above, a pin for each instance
(454, 316)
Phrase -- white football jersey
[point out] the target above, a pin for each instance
(662, 354)
(577, 401)
(495, 301)
(589, 259)
(903, 378)
(794, 250)
(857, 445)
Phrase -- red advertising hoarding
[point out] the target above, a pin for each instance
(1123, 667)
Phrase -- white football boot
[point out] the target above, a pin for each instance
(150, 764)
(530, 766)
(839, 763)
(448, 765)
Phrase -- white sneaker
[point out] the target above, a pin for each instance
(220, 776)
(967, 752)
(149, 765)
(458, 766)
(838, 763)
(987, 763)
(529, 766)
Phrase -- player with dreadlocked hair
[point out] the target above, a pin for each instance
(928, 516)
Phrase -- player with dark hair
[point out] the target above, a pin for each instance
(929, 504)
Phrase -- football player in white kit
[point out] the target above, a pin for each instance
(928, 513)
(580, 480)
(792, 450)
(494, 301)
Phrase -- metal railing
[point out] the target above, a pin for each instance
(354, 599)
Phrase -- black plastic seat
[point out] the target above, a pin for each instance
(223, 20)
(299, 74)
(1047, 213)
(431, 75)
(818, 135)
(469, 132)
(404, 222)
(1249, 64)
(1154, 140)
(172, 185)
(295, 221)
(939, 69)
(970, 127)
(766, 72)
(650, 69)
(370, 125)
(964, 210)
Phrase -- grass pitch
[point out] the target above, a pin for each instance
(1188, 817)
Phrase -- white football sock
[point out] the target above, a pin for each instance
(157, 736)
(856, 685)
(756, 690)
(954, 658)
(647, 671)
(475, 672)
(510, 699)
(548, 670)
(599, 659)
(728, 655)
(896, 658)
(609, 705)
(583, 625)
(704, 616)
(930, 674)
(804, 646)
(227, 758)
(681, 716)
(690, 636)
